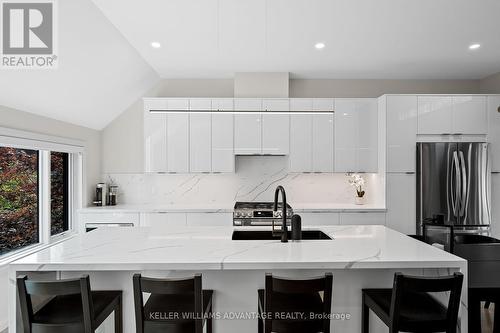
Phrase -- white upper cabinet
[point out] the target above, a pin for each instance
(301, 135)
(276, 127)
(178, 136)
(247, 127)
(200, 136)
(356, 135)
(452, 115)
(222, 136)
(155, 136)
(434, 114)
(401, 133)
(323, 127)
(469, 115)
(494, 133)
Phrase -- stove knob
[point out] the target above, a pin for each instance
(249, 214)
(237, 214)
(278, 214)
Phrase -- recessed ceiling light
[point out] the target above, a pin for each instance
(474, 46)
(155, 45)
(319, 45)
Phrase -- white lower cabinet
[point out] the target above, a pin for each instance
(319, 218)
(362, 218)
(401, 203)
(209, 219)
(495, 207)
(163, 219)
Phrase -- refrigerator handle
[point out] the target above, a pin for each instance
(455, 185)
(463, 190)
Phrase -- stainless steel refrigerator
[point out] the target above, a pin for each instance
(454, 180)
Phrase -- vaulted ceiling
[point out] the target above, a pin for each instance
(99, 74)
(364, 38)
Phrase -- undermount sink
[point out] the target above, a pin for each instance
(268, 235)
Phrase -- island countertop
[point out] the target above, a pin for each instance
(211, 248)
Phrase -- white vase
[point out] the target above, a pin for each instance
(359, 200)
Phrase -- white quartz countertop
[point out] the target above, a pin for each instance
(211, 248)
(228, 208)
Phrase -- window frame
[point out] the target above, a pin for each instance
(44, 144)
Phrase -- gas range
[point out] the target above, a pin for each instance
(259, 214)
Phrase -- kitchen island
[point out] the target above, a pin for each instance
(358, 256)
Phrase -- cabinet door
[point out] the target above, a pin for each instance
(401, 133)
(323, 135)
(314, 219)
(200, 127)
(469, 115)
(164, 220)
(401, 203)
(301, 135)
(222, 136)
(275, 127)
(495, 208)
(494, 131)
(362, 218)
(435, 115)
(155, 136)
(178, 137)
(322, 142)
(367, 149)
(209, 219)
(346, 135)
(247, 127)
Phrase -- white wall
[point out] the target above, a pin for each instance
(490, 84)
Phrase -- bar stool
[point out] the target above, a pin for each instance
(74, 308)
(293, 297)
(175, 305)
(408, 307)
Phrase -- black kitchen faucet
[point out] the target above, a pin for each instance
(284, 229)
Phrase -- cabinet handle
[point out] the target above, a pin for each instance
(498, 110)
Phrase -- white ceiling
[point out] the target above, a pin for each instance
(99, 75)
(364, 38)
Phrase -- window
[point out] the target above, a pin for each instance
(59, 192)
(19, 202)
(40, 189)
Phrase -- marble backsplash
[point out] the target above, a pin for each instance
(255, 179)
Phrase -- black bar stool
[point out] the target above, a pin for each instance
(174, 306)
(408, 307)
(74, 308)
(293, 297)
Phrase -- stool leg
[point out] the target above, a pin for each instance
(365, 317)
(496, 319)
(119, 317)
(474, 311)
(209, 320)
